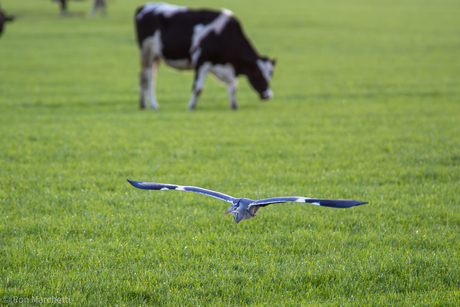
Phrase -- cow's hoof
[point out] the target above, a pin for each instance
(141, 104)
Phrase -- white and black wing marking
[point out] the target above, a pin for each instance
(334, 203)
(166, 187)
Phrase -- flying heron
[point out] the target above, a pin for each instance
(245, 208)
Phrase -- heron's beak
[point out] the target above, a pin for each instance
(229, 211)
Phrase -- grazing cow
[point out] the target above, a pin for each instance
(4, 18)
(202, 40)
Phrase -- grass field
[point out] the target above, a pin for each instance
(366, 107)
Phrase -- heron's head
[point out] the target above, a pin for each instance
(238, 216)
(233, 209)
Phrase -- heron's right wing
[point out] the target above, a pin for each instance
(166, 187)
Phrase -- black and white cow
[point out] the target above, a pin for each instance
(4, 18)
(203, 40)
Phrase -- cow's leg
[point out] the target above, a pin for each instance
(200, 76)
(93, 9)
(147, 77)
(147, 89)
(226, 74)
(231, 88)
(63, 4)
(103, 7)
(153, 75)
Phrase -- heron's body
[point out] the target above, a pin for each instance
(245, 208)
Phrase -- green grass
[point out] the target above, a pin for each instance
(366, 107)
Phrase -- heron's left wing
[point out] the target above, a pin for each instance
(335, 203)
(166, 187)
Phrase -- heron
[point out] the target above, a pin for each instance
(245, 208)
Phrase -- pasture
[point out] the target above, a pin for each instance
(366, 107)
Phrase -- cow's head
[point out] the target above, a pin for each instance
(260, 76)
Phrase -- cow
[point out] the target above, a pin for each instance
(203, 40)
(3, 19)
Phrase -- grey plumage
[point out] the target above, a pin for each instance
(245, 208)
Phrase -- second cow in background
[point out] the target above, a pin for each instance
(4, 18)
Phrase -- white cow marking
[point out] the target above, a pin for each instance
(195, 56)
(268, 94)
(201, 31)
(166, 9)
(224, 73)
(164, 189)
(180, 188)
(316, 203)
(266, 67)
(157, 46)
(152, 46)
(179, 64)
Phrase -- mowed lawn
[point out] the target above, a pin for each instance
(366, 107)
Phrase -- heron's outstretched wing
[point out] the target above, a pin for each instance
(165, 187)
(335, 203)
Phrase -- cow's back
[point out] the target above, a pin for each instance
(176, 30)
(230, 46)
